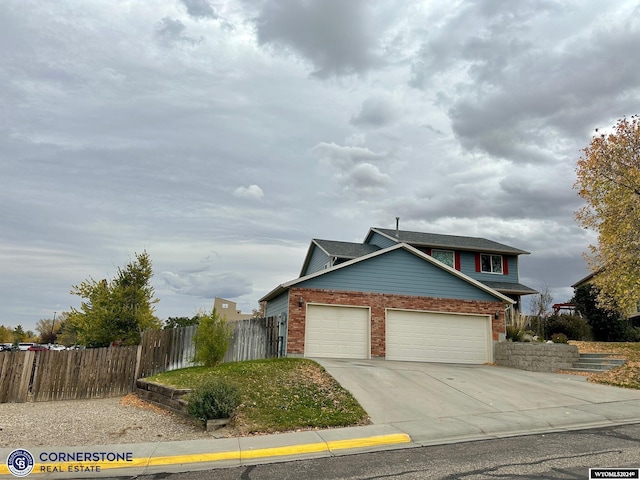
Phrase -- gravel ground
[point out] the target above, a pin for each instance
(91, 422)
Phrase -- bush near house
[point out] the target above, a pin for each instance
(214, 399)
(573, 327)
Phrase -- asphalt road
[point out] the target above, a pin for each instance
(567, 455)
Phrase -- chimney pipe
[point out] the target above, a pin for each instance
(397, 227)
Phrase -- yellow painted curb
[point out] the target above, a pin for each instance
(380, 440)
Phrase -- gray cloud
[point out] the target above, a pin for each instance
(376, 111)
(170, 31)
(206, 284)
(336, 37)
(199, 8)
(521, 93)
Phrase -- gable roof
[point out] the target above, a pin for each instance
(436, 240)
(285, 286)
(333, 248)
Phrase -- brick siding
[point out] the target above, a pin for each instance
(378, 302)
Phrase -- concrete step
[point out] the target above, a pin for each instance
(596, 363)
(603, 361)
(594, 366)
(600, 355)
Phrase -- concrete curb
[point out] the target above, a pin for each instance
(199, 454)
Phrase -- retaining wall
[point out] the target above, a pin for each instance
(535, 357)
(166, 397)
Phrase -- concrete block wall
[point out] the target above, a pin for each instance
(535, 357)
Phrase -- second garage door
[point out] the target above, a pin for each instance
(438, 337)
(336, 332)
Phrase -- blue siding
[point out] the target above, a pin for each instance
(379, 240)
(277, 306)
(317, 261)
(468, 267)
(398, 272)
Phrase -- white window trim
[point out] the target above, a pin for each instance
(453, 255)
(490, 255)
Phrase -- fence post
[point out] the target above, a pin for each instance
(137, 369)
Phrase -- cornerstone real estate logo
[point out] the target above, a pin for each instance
(21, 462)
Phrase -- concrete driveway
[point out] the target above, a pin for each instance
(438, 403)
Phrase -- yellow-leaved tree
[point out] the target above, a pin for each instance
(608, 179)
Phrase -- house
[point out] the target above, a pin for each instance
(229, 310)
(399, 295)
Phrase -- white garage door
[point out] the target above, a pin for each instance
(336, 332)
(438, 337)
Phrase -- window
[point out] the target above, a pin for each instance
(491, 263)
(444, 256)
(225, 305)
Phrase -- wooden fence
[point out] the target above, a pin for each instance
(66, 375)
(164, 350)
(253, 339)
(112, 371)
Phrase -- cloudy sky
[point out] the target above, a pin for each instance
(221, 136)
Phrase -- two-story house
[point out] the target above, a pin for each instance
(400, 295)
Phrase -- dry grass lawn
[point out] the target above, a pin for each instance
(628, 375)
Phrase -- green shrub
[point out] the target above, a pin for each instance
(559, 338)
(212, 339)
(213, 400)
(573, 326)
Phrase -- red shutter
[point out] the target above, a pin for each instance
(427, 251)
(477, 262)
(505, 265)
(457, 260)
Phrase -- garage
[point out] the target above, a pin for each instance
(418, 336)
(337, 332)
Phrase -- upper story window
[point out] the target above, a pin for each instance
(444, 256)
(491, 263)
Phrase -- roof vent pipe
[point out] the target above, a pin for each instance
(397, 227)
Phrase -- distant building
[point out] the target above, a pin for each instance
(229, 309)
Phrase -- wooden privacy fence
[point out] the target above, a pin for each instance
(112, 371)
(66, 375)
(253, 339)
(164, 350)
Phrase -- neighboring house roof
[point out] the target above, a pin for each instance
(482, 286)
(586, 279)
(512, 288)
(445, 241)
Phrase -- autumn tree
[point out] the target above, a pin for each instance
(608, 179)
(258, 312)
(48, 329)
(6, 334)
(118, 310)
